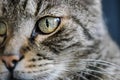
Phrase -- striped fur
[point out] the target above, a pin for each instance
(80, 50)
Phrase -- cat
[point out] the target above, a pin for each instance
(56, 40)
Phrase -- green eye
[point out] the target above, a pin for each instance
(3, 31)
(1, 40)
(3, 28)
(48, 24)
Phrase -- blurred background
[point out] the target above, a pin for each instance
(111, 13)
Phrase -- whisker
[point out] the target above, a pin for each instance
(87, 73)
(100, 62)
(100, 67)
(81, 76)
(104, 70)
(102, 73)
(84, 78)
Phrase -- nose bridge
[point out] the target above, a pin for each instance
(11, 55)
(13, 46)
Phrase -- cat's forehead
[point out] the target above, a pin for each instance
(21, 14)
(32, 6)
(18, 10)
(15, 8)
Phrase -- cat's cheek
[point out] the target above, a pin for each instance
(34, 68)
(21, 71)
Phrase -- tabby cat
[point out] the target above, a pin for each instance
(55, 40)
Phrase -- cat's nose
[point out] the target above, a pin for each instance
(10, 61)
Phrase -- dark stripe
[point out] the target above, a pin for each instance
(86, 31)
(40, 3)
(15, 2)
(38, 7)
(41, 56)
(25, 3)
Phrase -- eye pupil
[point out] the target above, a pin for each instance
(47, 23)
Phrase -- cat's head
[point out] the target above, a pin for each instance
(39, 39)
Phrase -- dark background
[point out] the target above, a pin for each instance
(111, 13)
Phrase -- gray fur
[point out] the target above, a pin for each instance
(80, 50)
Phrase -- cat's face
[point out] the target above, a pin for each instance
(40, 38)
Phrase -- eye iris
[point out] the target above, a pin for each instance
(3, 28)
(48, 24)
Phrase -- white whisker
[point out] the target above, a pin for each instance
(99, 62)
(92, 75)
(107, 70)
(83, 77)
(100, 72)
